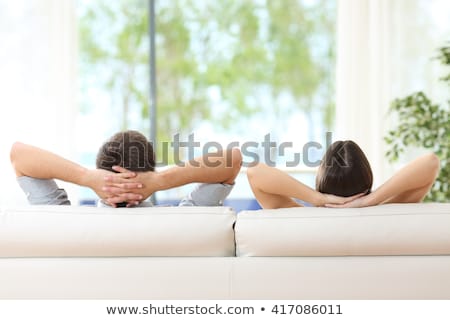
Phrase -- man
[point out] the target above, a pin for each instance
(125, 173)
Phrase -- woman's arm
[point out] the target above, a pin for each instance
(409, 185)
(275, 189)
(38, 163)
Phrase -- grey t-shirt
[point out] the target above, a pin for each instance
(43, 191)
(46, 191)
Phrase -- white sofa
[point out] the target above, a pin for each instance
(385, 252)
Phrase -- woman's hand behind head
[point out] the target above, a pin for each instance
(332, 201)
(357, 201)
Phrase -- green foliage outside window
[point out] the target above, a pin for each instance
(422, 123)
(253, 54)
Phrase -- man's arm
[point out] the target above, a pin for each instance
(38, 163)
(220, 167)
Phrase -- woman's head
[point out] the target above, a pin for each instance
(344, 170)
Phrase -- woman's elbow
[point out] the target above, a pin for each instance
(253, 172)
(433, 164)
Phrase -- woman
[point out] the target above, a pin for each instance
(344, 179)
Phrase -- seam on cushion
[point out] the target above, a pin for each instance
(343, 216)
(127, 213)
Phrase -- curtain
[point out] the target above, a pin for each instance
(37, 81)
(384, 51)
(362, 76)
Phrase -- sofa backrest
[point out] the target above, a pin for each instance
(68, 231)
(393, 229)
(64, 231)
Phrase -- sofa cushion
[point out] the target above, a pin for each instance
(63, 231)
(393, 229)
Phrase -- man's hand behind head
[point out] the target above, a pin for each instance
(128, 186)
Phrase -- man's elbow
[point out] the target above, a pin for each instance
(236, 158)
(14, 156)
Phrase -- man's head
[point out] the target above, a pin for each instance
(128, 149)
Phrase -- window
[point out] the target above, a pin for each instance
(113, 73)
(241, 71)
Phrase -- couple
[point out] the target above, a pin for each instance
(125, 176)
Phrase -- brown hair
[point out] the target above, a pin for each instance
(344, 170)
(128, 149)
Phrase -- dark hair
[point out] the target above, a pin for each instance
(128, 149)
(344, 170)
